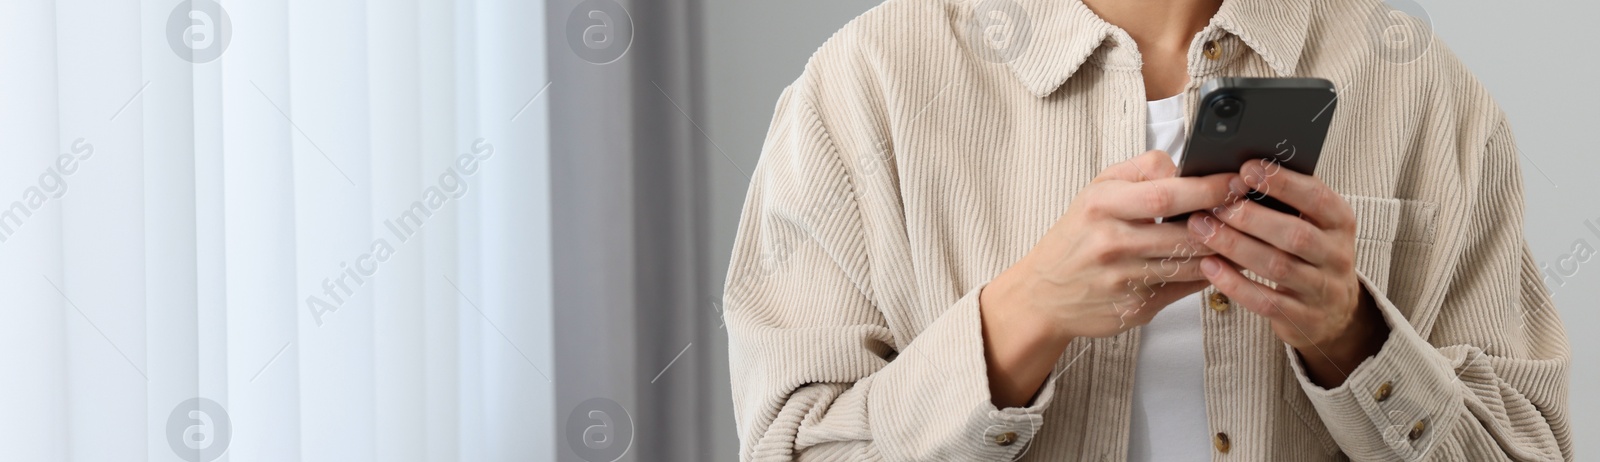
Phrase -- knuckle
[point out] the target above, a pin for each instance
(1301, 238)
(1114, 281)
(1269, 305)
(1181, 271)
(1221, 239)
(1185, 251)
(1278, 267)
(1243, 216)
(1146, 166)
(1103, 240)
(1322, 284)
(1263, 300)
(1105, 255)
(1344, 263)
(1219, 191)
(1225, 283)
(1093, 202)
(1157, 199)
(1138, 249)
(1323, 197)
(1168, 268)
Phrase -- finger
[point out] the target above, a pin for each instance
(1252, 295)
(1291, 320)
(1313, 198)
(1152, 165)
(1138, 308)
(1175, 269)
(1286, 232)
(1162, 240)
(1162, 198)
(1267, 261)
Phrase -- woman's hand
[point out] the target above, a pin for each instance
(1106, 266)
(1318, 306)
(1103, 268)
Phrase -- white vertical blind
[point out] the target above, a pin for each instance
(399, 174)
(259, 185)
(101, 228)
(512, 285)
(338, 231)
(34, 330)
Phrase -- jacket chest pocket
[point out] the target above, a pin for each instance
(1389, 232)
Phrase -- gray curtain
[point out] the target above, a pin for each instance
(635, 319)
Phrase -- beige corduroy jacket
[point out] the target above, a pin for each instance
(912, 161)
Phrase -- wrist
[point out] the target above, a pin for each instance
(1328, 364)
(1020, 345)
(1005, 302)
(1366, 333)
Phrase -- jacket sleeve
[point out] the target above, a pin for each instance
(818, 373)
(1489, 381)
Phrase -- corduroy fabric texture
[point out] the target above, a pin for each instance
(905, 168)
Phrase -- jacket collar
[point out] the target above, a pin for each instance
(1066, 34)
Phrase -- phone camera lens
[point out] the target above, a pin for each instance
(1226, 107)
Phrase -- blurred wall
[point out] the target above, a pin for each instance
(1536, 58)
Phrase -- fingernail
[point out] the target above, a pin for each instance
(1210, 267)
(1237, 188)
(1253, 174)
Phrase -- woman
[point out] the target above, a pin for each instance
(949, 250)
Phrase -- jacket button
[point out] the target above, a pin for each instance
(1417, 429)
(1005, 439)
(1221, 441)
(1384, 390)
(1212, 50)
(1219, 302)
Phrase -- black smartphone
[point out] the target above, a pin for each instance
(1240, 119)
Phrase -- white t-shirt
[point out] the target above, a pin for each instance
(1169, 388)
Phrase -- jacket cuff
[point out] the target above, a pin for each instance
(935, 404)
(1392, 404)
